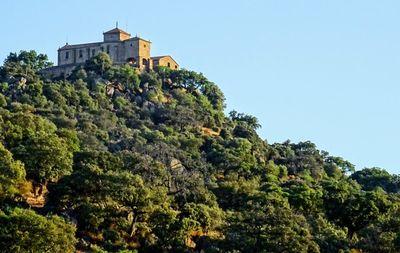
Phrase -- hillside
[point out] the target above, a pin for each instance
(112, 160)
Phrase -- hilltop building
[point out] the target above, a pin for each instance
(121, 47)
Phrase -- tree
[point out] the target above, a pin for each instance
(263, 227)
(25, 64)
(333, 163)
(128, 76)
(168, 231)
(346, 205)
(159, 167)
(130, 192)
(34, 141)
(23, 230)
(370, 178)
(330, 237)
(383, 235)
(101, 196)
(99, 64)
(299, 158)
(46, 157)
(175, 230)
(303, 197)
(214, 95)
(251, 121)
(187, 79)
(12, 173)
(234, 155)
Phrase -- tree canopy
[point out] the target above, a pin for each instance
(111, 159)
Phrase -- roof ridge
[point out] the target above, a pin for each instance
(116, 30)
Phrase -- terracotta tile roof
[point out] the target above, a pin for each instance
(137, 38)
(117, 30)
(159, 57)
(163, 56)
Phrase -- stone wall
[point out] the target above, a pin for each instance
(57, 71)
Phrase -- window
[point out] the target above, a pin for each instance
(169, 65)
(93, 52)
(131, 45)
(108, 49)
(80, 53)
(102, 49)
(66, 55)
(144, 45)
(131, 60)
(176, 67)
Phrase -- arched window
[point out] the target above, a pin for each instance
(131, 61)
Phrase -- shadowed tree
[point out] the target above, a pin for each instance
(25, 231)
(12, 173)
(24, 64)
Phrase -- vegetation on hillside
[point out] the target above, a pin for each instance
(112, 160)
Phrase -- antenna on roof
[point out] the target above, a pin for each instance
(66, 40)
(116, 25)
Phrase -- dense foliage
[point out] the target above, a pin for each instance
(113, 160)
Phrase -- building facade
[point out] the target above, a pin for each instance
(119, 45)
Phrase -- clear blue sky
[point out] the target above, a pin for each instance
(325, 71)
